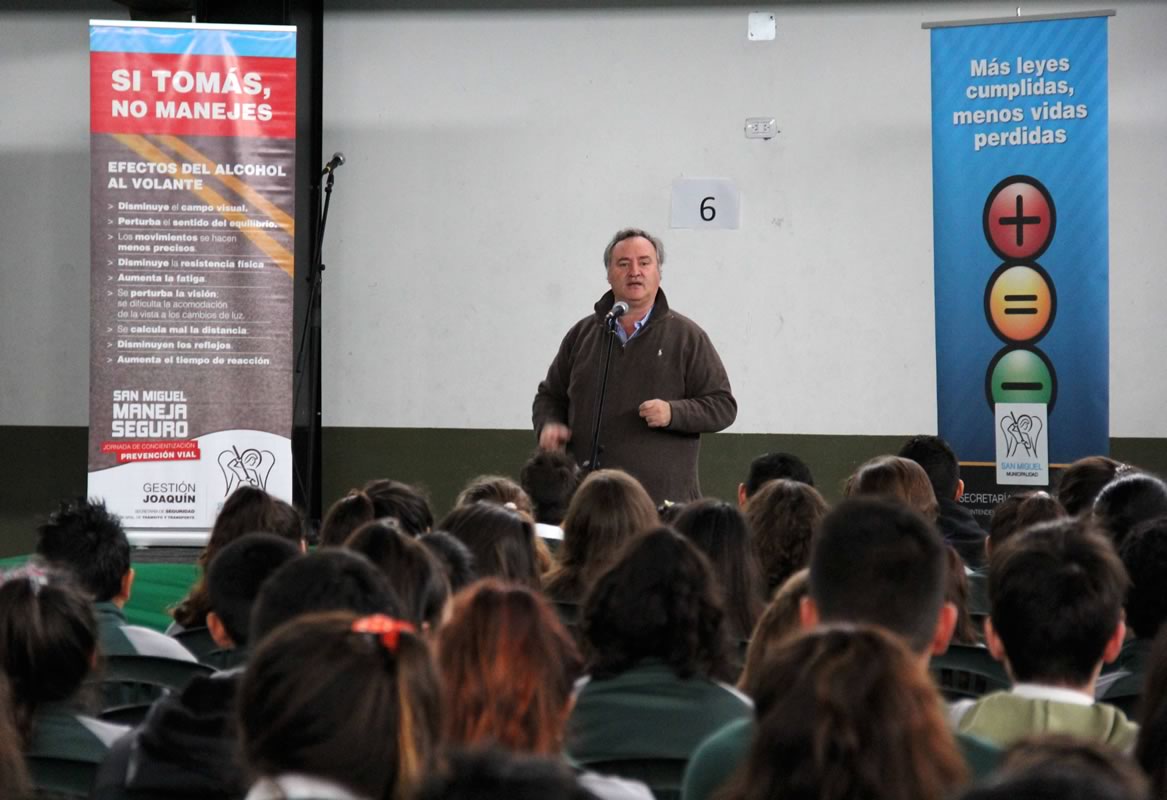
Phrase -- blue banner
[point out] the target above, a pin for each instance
(1019, 166)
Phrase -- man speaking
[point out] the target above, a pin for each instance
(666, 383)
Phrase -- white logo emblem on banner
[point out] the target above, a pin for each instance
(1022, 444)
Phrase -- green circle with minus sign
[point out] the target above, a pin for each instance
(1021, 375)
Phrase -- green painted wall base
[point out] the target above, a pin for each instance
(41, 465)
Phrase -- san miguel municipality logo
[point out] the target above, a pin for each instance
(1022, 448)
(248, 468)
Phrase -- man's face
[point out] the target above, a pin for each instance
(633, 272)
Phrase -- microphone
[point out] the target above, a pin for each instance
(619, 309)
(335, 163)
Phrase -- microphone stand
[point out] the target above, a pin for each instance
(593, 463)
(310, 338)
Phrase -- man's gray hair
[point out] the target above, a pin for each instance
(632, 233)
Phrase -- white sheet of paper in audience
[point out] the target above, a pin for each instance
(1022, 433)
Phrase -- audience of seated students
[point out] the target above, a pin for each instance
(337, 706)
(501, 539)
(1057, 767)
(1127, 502)
(417, 577)
(455, 557)
(720, 531)
(654, 630)
(508, 668)
(957, 524)
(402, 502)
(185, 748)
(874, 562)
(783, 516)
(609, 508)
(1056, 593)
(843, 713)
(1151, 747)
(496, 774)
(246, 510)
(85, 539)
(771, 467)
(345, 516)
(1079, 484)
(550, 478)
(1020, 511)
(48, 645)
(14, 780)
(1144, 555)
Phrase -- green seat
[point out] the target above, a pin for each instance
(662, 775)
(968, 672)
(61, 777)
(137, 680)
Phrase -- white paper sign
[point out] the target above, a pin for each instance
(1022, 434)
(711, 203)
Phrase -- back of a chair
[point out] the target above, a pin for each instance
(967, 672)
(61, 777)
(136, 680)
(197, 640)
(662, 775)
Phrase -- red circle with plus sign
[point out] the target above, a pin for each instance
(1019, 218)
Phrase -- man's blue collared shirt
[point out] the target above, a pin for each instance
(624, 336)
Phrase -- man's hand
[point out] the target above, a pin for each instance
(554, 436)
(657, 413)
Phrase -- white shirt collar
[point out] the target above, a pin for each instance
(1059, 694)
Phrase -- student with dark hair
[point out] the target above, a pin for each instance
(609, 508)
(1056, 593)
(878, 562)
(14, 780)
(1151, 747)
(1080, 483)
(1063, 768)
(847, 713)
(957, 524)
(185, 748)
(782, 517)
(325, 580)
(495, 774)
(550, 478)
(1020, 511)
(87, 540)
(654, 627)
(502, 541)
(345, 516)
(898, 478)
(719, 530)
(335, 706)
(402, 502)
(874, 562)
(1128, 501)
(415, 574)
(1144, 555)
(956, 594)
(769, 467)
(48, 645)
(246, 510)
(455, 557)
